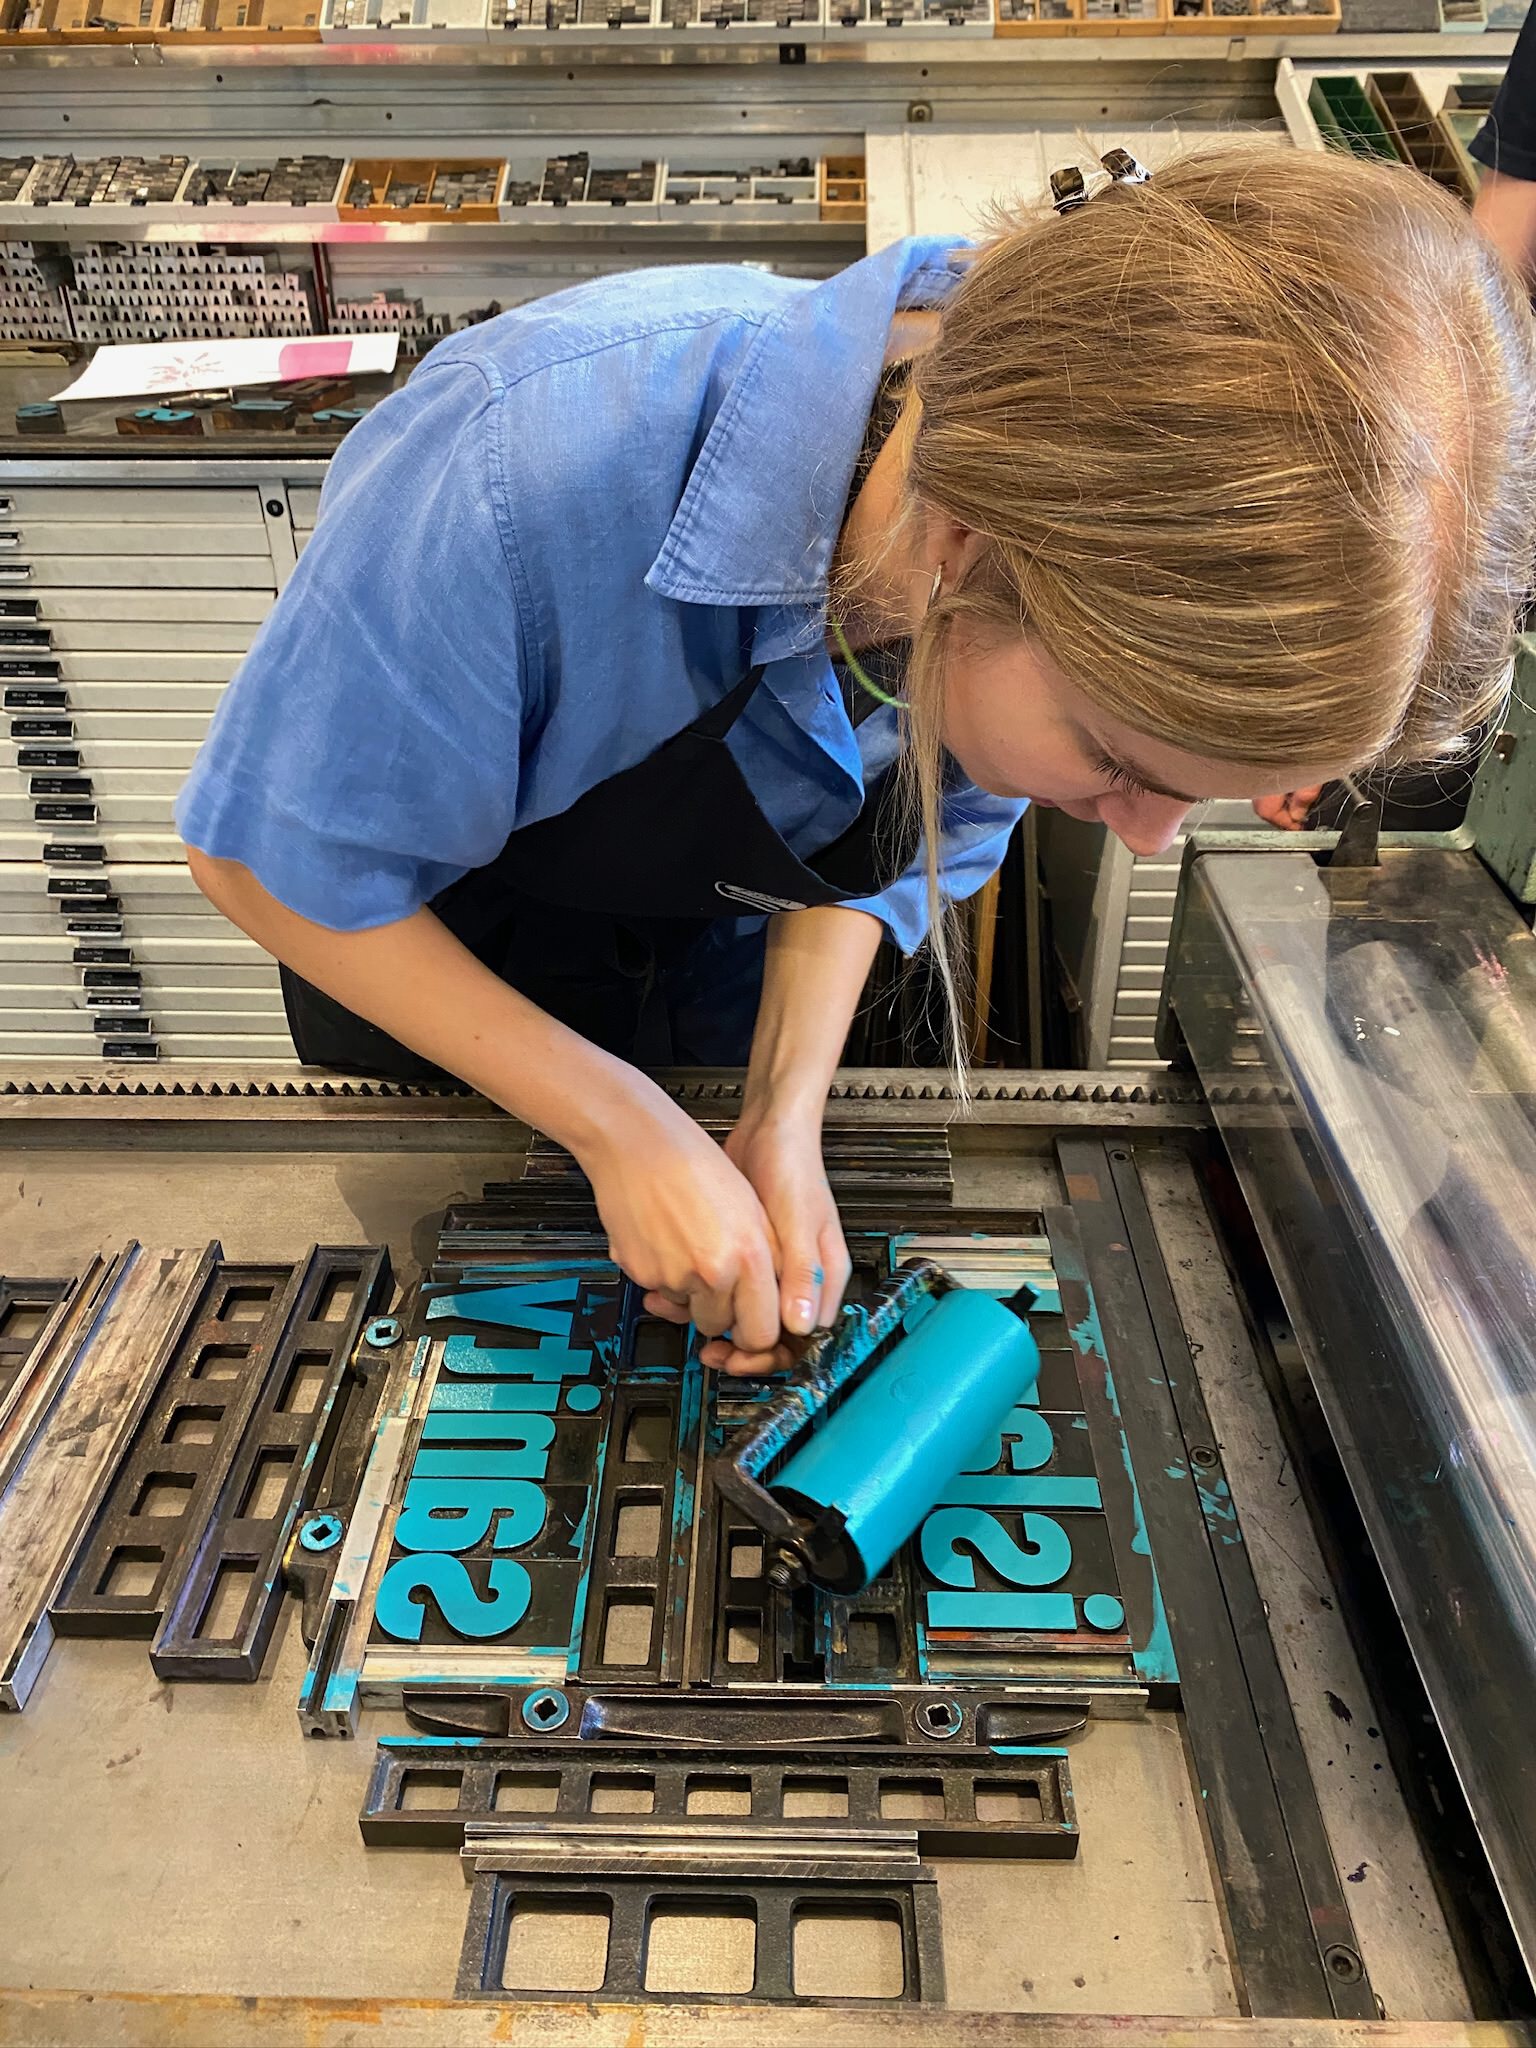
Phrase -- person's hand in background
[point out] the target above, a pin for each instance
(1505, 210)
(1288, 811)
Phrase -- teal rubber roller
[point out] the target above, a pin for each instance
(870, 1451)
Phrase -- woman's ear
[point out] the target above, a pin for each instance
(960, 548)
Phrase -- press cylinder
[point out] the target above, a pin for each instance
(865, 1479)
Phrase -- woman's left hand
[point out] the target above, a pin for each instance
(781, 1157)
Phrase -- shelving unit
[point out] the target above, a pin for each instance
(145, 576)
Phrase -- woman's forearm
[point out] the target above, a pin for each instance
(417, 982)
(817, 964)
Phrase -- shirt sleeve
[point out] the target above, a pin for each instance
(973, 837)
(366, 753)
(1506, 142)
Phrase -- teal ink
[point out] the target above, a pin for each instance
(1045, 1564)
(446, 1581)
(1026, 1612)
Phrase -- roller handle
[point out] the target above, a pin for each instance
(832, 1358)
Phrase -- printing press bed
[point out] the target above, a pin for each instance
(1123, 1732)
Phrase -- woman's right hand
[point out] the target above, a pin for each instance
(684, 1223)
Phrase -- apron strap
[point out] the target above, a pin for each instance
(717, 721)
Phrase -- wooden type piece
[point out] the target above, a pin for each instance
(165, 421)
(134, 1552)
(131, 1337)
(278, 1461)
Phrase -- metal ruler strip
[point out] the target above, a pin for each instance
(1285, 1962)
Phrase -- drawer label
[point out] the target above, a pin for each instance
(22, 697)
(99, 956)
(42, 728)
(61, 785)
(130, 1049)
(58, 813)
(47, 757)
(78, 853)
(84, 885)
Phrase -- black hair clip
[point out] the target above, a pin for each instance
(1123, 168)
(1069, 188)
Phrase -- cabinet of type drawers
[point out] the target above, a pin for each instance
(128, 594)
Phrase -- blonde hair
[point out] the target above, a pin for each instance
(1253, 446)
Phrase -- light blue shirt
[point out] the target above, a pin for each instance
(531, 568)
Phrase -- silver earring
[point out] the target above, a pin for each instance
(936, 588)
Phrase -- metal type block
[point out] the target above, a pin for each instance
(315, 1541)
(135, 1321)
(143, 1529)
(1504, 796)
(329, 1696)
(598, 1559)
(806, 1720)
(778, 1898)
(961, 1802)
(861, 1165)
(219, 1619)
(25, 1309)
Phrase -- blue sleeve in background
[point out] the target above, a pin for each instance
(1506, 142)
(367, 752)
(973, 839)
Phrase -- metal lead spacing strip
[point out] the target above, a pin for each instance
(37, 1381)
(783, 1899)
(25, 1306)
(134, 1552)
(961, 1803)
(221, 1616)
(807, 1721)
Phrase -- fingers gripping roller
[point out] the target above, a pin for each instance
(880, 1415)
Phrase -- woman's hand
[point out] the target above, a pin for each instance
(684, 1223)
(781, 1157)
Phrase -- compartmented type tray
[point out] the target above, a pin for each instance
(1426, 116)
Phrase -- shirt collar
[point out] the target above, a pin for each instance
(740, 536)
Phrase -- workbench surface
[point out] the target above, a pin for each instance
(184, 1838)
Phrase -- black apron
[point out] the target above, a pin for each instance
(586, 912)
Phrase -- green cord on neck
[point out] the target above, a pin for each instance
(857, 672)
